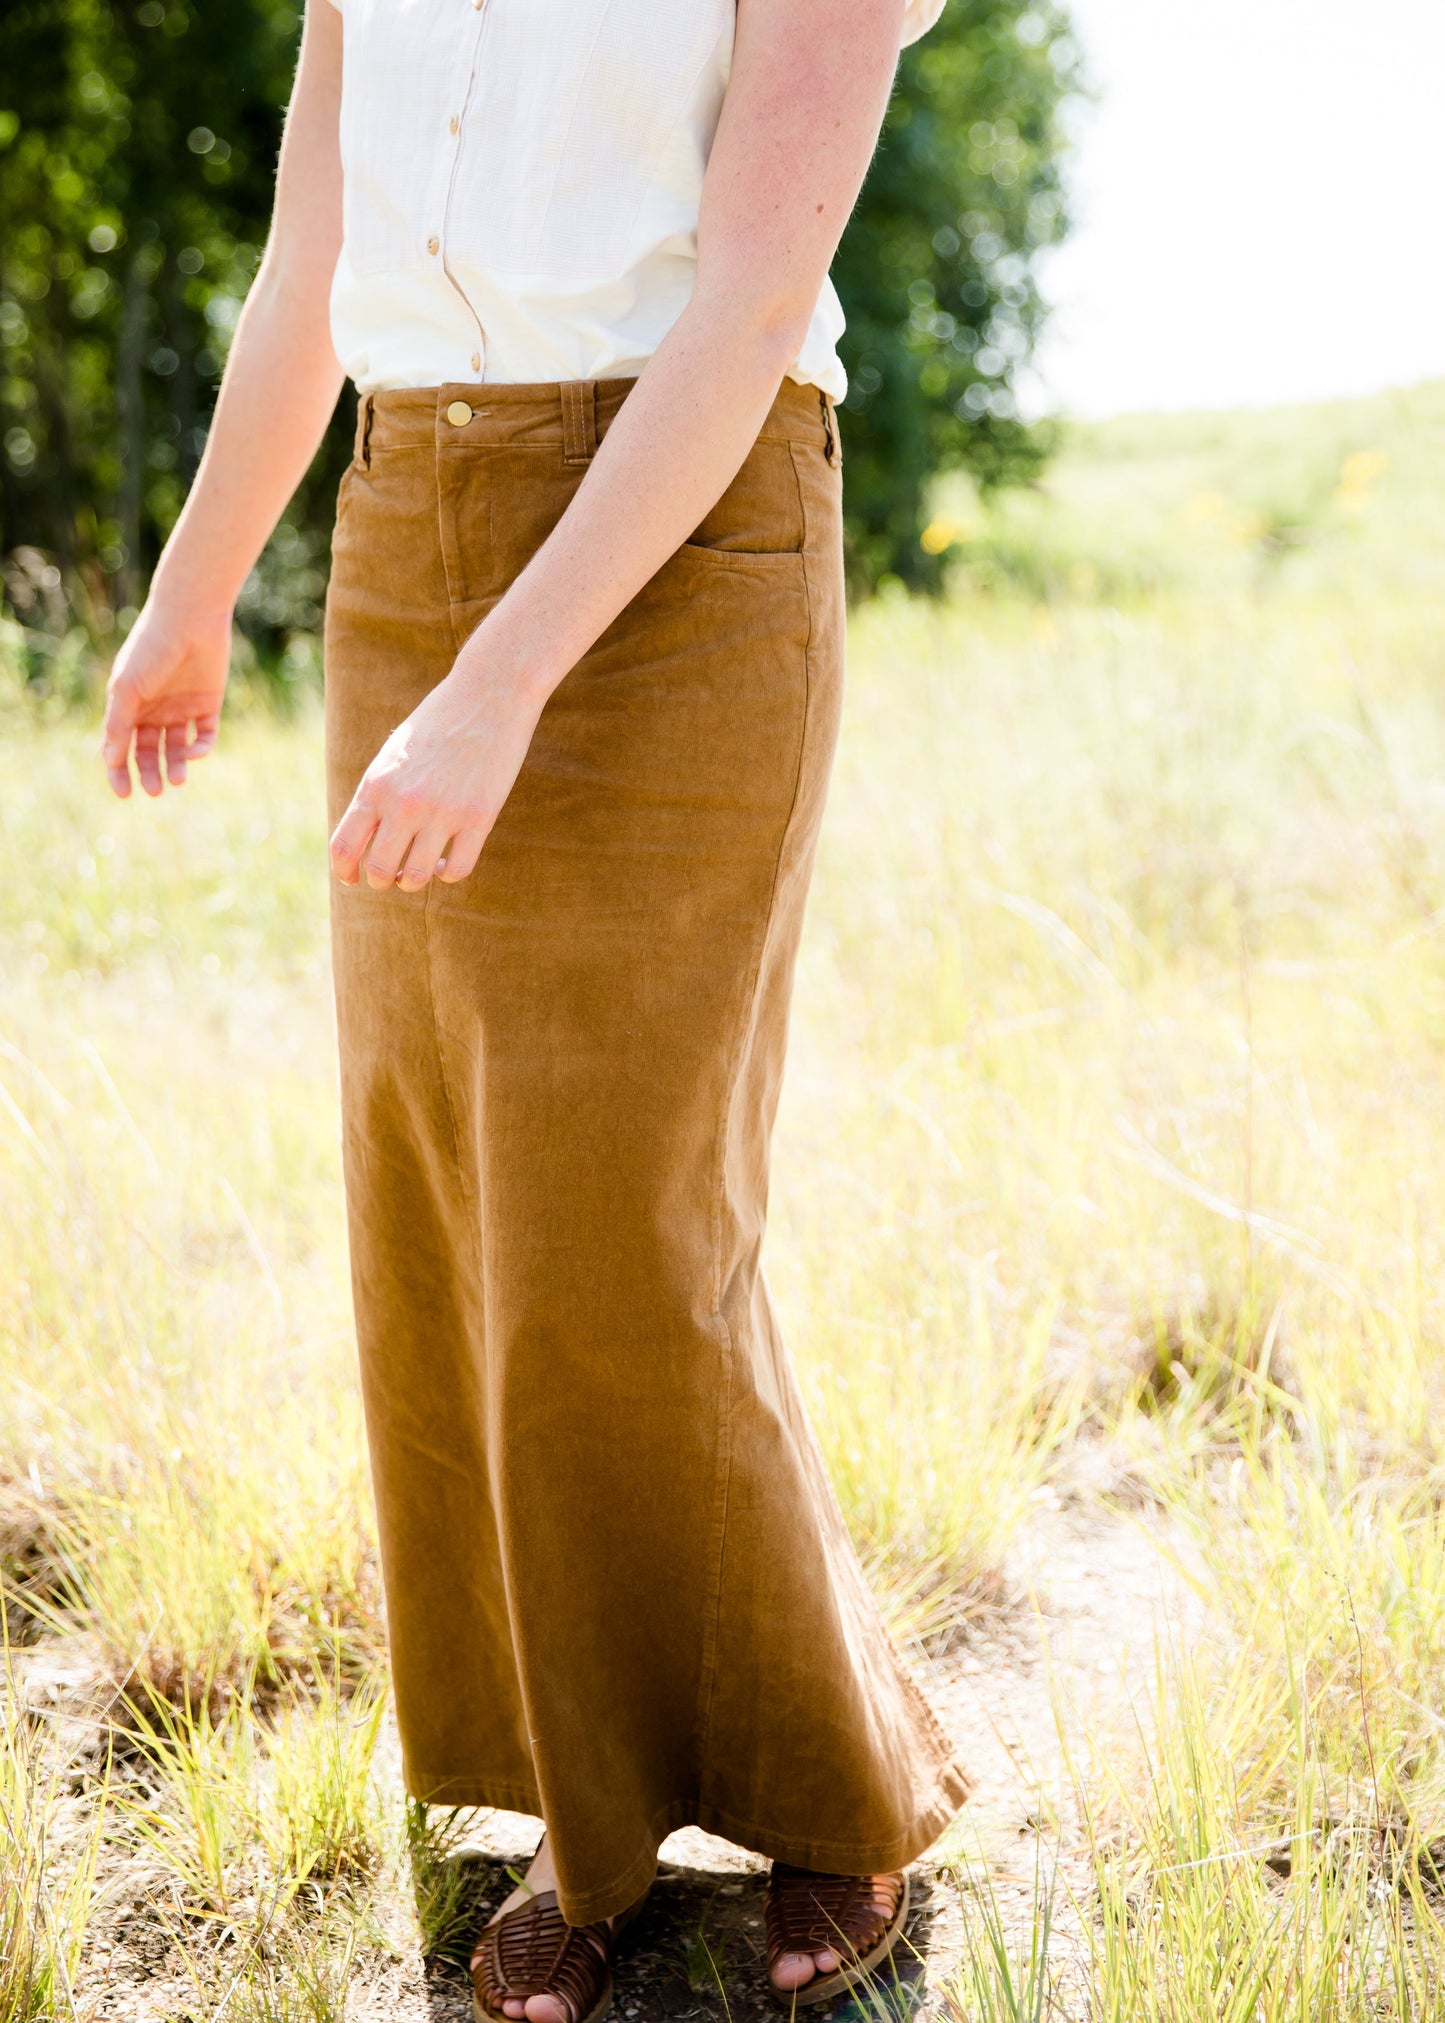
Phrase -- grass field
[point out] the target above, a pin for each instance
(1113, 1154)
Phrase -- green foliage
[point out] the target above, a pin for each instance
(936, 272)
(135, 188)
(137, 151)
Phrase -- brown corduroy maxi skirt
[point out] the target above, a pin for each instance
(619, 1591)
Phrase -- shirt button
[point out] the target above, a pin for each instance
(433, 243)
(476, 361)
(453, 123)
(459, 414)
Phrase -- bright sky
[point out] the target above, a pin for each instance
(1260, 197)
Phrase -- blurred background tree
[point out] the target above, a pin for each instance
(137, 149)
(937, 273)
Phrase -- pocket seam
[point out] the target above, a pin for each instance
(740, 557)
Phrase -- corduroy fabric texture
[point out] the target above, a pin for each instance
(620, 1593)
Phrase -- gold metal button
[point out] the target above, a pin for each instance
(433, 243)
(476, 361)
(459, 414)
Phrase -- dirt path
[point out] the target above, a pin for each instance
(1076, 1654)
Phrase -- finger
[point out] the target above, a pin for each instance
(387, 851)
(148, 757)
(207, 727)
(115, 740)
(461, 857)
(178, 750)
(353, 832)
(427, 852)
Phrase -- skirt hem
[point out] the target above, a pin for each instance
(622, 1891)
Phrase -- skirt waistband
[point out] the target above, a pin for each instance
(573, 414)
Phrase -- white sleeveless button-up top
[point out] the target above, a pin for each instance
(522, 180)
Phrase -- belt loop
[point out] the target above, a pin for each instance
(579, 420)
(830, 432)
(363, 431)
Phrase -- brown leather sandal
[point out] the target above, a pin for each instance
(532, 1950)
(807, 1913)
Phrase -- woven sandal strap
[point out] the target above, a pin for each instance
(532, 1950)
(807, 1913)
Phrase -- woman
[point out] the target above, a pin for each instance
(583, 652)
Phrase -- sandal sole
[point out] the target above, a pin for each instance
(832, 1985)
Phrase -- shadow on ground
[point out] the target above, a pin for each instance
(695, 1953)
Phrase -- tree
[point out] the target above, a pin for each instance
(134, 199)
(936, 272)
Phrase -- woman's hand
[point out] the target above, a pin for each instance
(427, 801)
(164, 695)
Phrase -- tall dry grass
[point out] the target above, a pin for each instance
(1115, 1128)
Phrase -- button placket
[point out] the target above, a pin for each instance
(455, 125)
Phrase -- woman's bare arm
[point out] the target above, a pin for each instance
(279, 389)
(809, 85)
